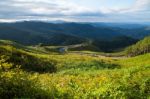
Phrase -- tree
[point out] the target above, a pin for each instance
(141, 47)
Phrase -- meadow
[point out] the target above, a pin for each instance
(36, 73)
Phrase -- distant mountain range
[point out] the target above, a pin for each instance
(134, 30)
(63, 33)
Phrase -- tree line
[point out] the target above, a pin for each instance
(141, 47)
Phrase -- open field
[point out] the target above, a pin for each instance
(36, 74)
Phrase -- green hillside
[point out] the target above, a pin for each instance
(141, 47)
(142, 60)
(44, 74)
(106, 38)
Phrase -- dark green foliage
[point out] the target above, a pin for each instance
(142, 47)
(18, 84)
(27, 61)
(88, 66)
(32, 63)
(115, 44)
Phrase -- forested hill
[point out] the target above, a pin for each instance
(42, 32)
(141, 47)
(104, 37)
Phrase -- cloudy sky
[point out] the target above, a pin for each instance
(76, 10)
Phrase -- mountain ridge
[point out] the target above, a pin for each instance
(68, 33)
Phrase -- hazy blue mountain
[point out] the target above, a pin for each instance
(35, 32)
(134, 30)
(120, 25)
(107, 37)
(31, 35)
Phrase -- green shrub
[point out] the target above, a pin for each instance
(26, 61)
(18, 84)
(141, 47)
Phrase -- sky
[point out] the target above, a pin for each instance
(75, 10)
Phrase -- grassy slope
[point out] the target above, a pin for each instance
(77, 76)
(142, 60)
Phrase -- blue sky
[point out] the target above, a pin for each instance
(76, 10)
(105, 3)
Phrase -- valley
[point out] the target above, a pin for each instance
(44, 72)
(75, 49)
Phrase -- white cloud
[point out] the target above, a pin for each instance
(66, 10)
(23, 9)
(142, 5)
(138, 6)
(138, 12)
